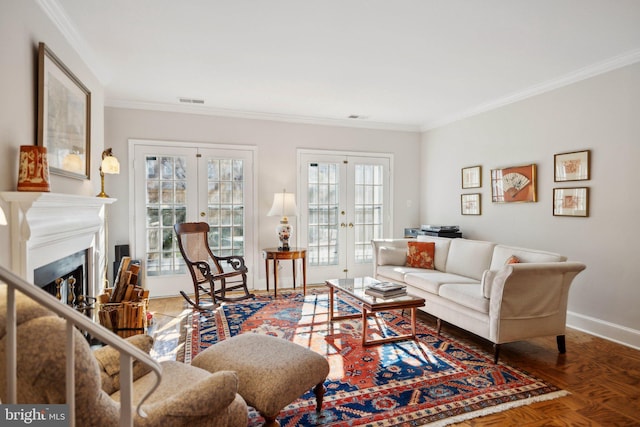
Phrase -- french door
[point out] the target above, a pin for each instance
(186, 183)
(345, 203)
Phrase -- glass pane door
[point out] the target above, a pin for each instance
(344, 205)
(226, 203)
(189, 184)
(165, 204)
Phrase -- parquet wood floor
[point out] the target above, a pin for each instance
(603, 377)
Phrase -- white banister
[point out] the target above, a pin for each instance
(12, 344)
(126, 387)
(70, 374)
(127, 351)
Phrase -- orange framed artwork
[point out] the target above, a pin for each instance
(514, 184)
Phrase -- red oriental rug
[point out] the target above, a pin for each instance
(434, 380)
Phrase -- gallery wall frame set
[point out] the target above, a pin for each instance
(64, 117)
(568, 167)
(514, 184)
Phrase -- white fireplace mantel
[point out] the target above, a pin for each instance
(46, 227)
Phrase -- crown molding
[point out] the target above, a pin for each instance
(610, 64)
(289, 118)
(59, 18)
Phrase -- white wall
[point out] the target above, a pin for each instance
(276, 144)
(22, 26)
(601, 114)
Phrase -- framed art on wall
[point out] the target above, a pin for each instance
(470, 204)
(514, 184)
(472, 177)
(573, 166)
(571, 201)
(64, 117)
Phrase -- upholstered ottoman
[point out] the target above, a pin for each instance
(272, 372)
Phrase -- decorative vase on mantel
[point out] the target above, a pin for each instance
(33, 173)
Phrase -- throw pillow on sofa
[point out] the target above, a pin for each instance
(512, 260)
(421, 254)
(392, 256)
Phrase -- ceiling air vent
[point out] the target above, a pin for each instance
(191, 101)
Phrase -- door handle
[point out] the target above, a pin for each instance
(202, 214)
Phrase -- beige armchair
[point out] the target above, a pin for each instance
(186, 396)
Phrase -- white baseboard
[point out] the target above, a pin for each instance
(607, 330)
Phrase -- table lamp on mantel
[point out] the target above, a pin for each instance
(284, 205)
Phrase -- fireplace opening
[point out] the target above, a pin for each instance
(66, 279)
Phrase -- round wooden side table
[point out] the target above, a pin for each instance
(277, 255)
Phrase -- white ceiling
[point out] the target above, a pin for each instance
(399, 64)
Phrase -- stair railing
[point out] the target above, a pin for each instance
(74, 318)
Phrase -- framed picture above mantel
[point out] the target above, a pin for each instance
(64, 117)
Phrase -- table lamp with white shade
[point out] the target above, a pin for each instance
(284, 206)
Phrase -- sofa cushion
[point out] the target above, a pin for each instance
(388, 255)
(501, 253)
(431, 280)
(421, 254)
(395, 273)
(441, 250)
(465, 294)
(470, 258)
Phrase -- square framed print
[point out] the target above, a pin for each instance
(574, 166)
(64, 117)
(470, 204)
(472, 177)
(514, 184)
(571, 201)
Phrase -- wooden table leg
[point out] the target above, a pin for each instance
(304, 275)
(364, 327)
(266, 267)
(275, 277)
(330, 304)
(413, 322)
(293, 264)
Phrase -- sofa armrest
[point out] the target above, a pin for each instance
(530, 290)
(109, 362)
(383, 250)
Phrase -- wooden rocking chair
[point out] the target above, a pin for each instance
(207, 268)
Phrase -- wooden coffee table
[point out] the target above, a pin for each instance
(356, 287)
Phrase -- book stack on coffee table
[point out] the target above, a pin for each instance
(386, 290)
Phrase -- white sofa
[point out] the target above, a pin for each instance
(474, 288)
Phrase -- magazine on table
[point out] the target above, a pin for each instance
(385, 289)
(386, 286)
(388, 294)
